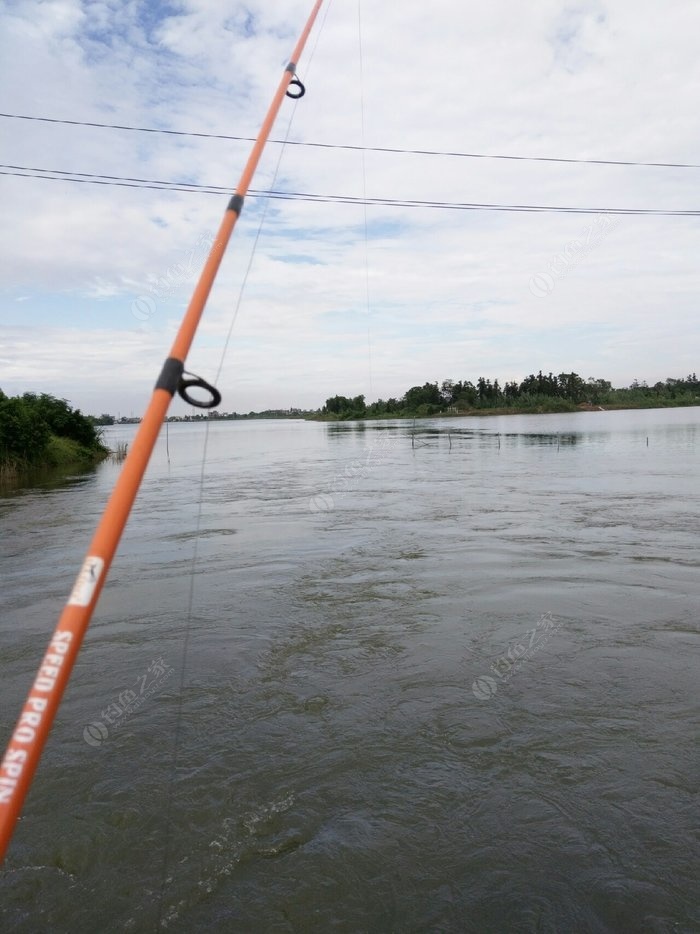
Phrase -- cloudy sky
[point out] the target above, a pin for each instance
(339, 298)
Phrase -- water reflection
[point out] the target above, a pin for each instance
(531, 438)
(427, 431)
(47, 479)
(341, 429)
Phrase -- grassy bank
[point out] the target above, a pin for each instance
(65, 452)
(535, 395)
(39, 433)
(60, 456)
(548, 408)
(556, 406)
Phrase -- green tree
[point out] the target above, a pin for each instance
(465, 393)
(345, 408)
(426, 395)
(571, 387)
(23, 435)
(447, 391)
(62, 419)
(596, 390)
(511, 391)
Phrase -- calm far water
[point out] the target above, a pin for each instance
(359, 679)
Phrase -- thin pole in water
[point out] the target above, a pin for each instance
(29, 737)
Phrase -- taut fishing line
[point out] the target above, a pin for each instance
(198, 524)
(364, 195)
(34, 724)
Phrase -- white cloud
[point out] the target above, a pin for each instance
(449, 292)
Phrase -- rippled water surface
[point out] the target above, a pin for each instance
(381, 678)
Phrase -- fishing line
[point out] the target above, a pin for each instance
(266, 201)
(368, 309)
(33, 726)
(193, 566)
(200, 501)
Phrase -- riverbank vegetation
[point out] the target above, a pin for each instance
(567, 392)
(40, 431)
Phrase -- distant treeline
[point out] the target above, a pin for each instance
(540, 393)
(105, 419)
(235, 416)
(39, 430)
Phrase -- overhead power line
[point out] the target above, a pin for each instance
(385, 149)
(58, 175)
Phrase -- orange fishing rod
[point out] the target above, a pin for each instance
(29, 737)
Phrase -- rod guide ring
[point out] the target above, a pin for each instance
(185, 384)
(300, 92)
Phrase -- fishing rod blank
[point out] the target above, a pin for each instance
(29, 737)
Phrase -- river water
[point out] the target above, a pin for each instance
(369, 678)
